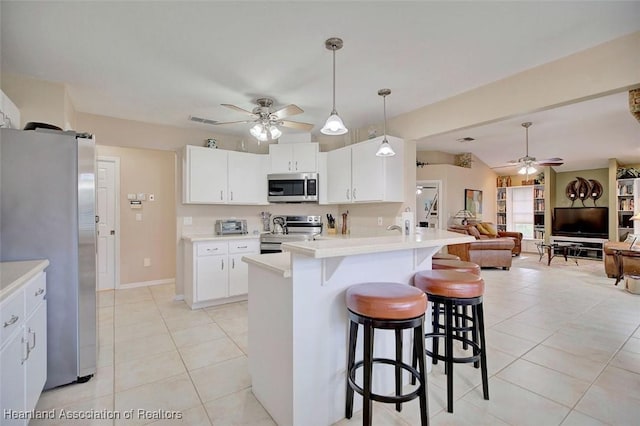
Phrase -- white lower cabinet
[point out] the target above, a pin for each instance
(215, 272)
(23, 350)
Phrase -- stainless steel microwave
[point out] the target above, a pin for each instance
(293, 188)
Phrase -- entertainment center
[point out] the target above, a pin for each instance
(588, 226)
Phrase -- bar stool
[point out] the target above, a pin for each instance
(445, 256)
(455, 265)
(452, 289)
(389, 306)
(461, 312)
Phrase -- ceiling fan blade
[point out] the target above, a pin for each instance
(287, 111)
(505, 165)
(231, 122)
(551, 162)
(238, 109)
(296, 125)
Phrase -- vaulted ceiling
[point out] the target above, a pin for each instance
(160, 62)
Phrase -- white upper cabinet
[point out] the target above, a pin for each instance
(204, 175)
(356, 175)
(247, 178)
(294, 157)
(338, 178)
(216, 176)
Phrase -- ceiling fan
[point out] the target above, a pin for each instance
(265, 118)
(528, 162)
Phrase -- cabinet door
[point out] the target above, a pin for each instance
(12, 384)
(211, 277)
(305, 157)
(339, 175)
(206, 175)
(36, 365)
(367, 173)
(238, 275)
(247, 178)
(280, 157)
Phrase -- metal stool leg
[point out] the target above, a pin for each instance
(483, 351)
(418, 338)
(448, 353)
(367, 405)
(398, 368)
(353, 338)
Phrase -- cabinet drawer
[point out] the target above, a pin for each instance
(211, 248)
(244, 246)
(11, 315)
(34, 292)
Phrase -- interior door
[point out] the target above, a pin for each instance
(106, 212)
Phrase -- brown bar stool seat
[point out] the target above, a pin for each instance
(453, 289)
(445, 256)
(389, 306)
(456, 265)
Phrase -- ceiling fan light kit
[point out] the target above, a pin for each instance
(385, 150)
(334, 125)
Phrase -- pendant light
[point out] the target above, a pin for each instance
(385, 150)
(334, 125)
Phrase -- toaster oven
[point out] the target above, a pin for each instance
(231, 226)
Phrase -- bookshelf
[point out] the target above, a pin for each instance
(501, 209)
(626, 204)
(538, 212)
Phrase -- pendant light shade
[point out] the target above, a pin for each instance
(334, 125)
(385, 150)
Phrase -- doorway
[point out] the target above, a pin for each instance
(108, 226)
(429, 204)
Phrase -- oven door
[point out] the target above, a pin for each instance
(266, 247)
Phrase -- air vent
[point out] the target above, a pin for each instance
(202, 120)
(467, 139)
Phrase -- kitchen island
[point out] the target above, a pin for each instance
(298, 319)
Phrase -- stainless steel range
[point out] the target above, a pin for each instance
(294, 228)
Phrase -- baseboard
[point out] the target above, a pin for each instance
(147, 283)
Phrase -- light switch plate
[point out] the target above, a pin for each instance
(139, 217)
(187, 220)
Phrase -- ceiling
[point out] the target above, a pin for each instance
(160, 62)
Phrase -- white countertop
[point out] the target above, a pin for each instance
(14, 274)
(211, 237)
(279, 263)
(346, 245)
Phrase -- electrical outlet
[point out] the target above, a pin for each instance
(187, 220)
(146, 261)
(379, 220)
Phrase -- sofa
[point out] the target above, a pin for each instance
(487, 231)
(488, 250)
(631, 264)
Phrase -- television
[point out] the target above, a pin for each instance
(587, 222)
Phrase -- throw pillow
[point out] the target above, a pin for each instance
(490, 229)
(473, 232)
(482, 229)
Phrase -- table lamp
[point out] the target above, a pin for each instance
(464, 216)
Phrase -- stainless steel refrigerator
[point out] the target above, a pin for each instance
(47, 211)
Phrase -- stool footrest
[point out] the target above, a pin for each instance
(459, 360)
(387, 398)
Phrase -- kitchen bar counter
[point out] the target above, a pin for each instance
(346, 245)
(298, 319)
(14, 274)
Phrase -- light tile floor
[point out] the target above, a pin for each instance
(563, 348)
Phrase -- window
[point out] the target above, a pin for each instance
(520, 210)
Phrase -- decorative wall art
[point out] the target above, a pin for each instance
(463, 160)
(583, 189)
(473, 202)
